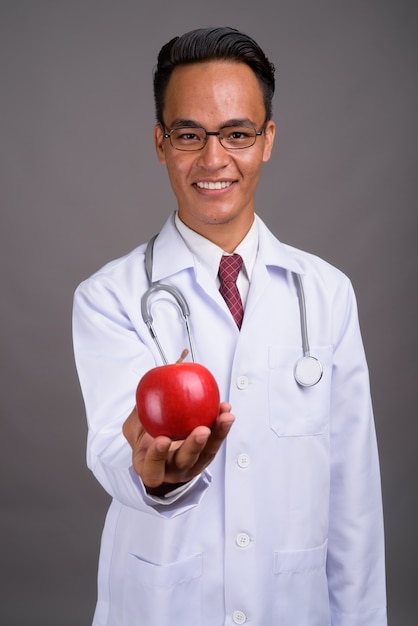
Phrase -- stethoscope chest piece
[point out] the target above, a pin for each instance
(308, 371)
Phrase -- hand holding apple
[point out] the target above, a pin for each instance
(179, 400)
(161, 462)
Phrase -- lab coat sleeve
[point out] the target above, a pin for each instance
(110, 359)
(355, 563)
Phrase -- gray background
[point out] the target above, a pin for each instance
(81, 185)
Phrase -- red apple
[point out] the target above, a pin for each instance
(173, 399)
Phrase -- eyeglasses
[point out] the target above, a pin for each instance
(193, 138)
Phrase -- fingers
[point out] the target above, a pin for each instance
(186, 456)
(162, 460)
(201, 446)
(218, 434)
(132, 428)
(149, 456)
(224, 407)
(153, 462)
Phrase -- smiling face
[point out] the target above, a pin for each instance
(215, 187)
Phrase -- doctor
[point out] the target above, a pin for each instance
(274, 517)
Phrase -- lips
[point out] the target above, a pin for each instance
(213, 185)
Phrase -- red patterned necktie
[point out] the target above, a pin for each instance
(229, 269)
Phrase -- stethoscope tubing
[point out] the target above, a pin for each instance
(175, 293)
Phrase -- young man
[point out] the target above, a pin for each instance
(274, 515)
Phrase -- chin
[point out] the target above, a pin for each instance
(219, 216)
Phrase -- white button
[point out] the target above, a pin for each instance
(242, 540)
(243, 460)
(242, 382)
(239, 617)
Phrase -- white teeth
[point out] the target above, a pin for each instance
(213, 185)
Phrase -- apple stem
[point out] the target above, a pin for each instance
(183, 355)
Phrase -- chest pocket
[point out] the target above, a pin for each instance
(158, 595)
(297, 411)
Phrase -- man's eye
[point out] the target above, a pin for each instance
(239, 134)
(187, 136)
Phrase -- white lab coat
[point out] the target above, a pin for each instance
(285, 527)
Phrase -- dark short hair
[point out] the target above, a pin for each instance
(210, 44)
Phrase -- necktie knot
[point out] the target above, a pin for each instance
(229, 268)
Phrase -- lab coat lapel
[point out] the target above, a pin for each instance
(271, 254)
(259, 282)
(171, 254)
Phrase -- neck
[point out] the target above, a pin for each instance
(226, 235)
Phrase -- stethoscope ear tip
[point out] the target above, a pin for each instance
(308, 371)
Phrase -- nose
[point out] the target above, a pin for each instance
(213, 155)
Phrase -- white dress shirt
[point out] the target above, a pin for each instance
(208, 254)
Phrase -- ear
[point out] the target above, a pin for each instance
(269, 134)
(159, 143)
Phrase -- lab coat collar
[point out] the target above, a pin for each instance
(275, 253)
(171, 254)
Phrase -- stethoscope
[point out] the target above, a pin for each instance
(307, 370)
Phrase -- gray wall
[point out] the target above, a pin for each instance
(81, 185)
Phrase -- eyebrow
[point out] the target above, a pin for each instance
(186, 123)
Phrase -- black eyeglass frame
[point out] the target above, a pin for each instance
(167, 135)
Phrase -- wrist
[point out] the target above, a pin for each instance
(163, 489)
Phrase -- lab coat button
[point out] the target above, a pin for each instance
(243, 460)
(242, 382)
(239, 617)
(242, 540)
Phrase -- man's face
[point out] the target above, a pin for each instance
(212, 95)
